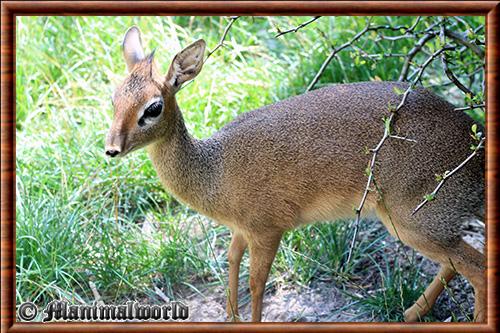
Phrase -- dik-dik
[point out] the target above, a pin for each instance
(303, 160)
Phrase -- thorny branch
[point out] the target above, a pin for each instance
(447, 70)
(470, 107)
(336, 50)
(412, 53)
(447, 175)
(387, 134)
(223, 37)
(333, 54)
(408, 31)
(465, 42)
(297, 28)
(429, 35)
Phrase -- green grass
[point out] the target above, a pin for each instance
(80, 216)
(399, 288)
(320, 251)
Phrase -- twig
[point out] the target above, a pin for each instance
(381, 56)
(414, 25)
(448, 71)
(399, 27)
(470, 107)
(408, 32)
(297, 28)
(387, 134)
(402, 138)
(334, 53)
(223, 37)
(367, 189)
(429, 34)
(409, 57)
(376, 56)
(394, 38)
(465, 42)
(447, 175)
(469, 75)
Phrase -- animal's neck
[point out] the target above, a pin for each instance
(186, 166)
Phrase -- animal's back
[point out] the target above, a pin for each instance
(305, 158)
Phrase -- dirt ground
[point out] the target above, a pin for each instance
(323, 301)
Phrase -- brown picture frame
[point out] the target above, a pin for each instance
(11, 9)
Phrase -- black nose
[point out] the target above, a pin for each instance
(112, 152)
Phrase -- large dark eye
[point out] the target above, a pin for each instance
(152, 111)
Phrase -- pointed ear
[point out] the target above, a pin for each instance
(186, 64)
(132, 47)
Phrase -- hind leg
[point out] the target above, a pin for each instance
(464, 259)
(425, 302)
(454, 255)
(471, 263)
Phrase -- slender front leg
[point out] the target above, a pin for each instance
(234, 255)
(261, 258)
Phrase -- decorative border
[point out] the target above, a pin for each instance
(11, 9)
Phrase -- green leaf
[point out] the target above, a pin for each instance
(474, 129)
(368, 171)
(398, 91)
(387, 124)
(439, 43)
(468, 98)
(429, 197)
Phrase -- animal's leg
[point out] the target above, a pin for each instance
(235, 253)
(445, 248)
(425, 302)
(471, 263)
(262, 255)
(462, 258)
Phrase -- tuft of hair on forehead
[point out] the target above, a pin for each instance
(141, 80)
(146, 66)
(136, 81)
